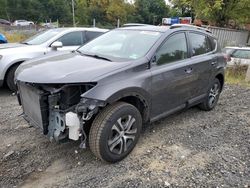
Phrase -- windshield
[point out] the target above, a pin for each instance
(121, 44)
(41, 37)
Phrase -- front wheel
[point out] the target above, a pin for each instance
(115, 132)
(212, 96)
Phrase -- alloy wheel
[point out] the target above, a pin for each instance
(214, 94)
(122, 135)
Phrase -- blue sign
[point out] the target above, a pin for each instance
(175, 20)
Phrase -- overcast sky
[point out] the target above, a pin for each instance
(167, 1)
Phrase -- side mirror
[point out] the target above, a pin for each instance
(154, 59)
(56, 44)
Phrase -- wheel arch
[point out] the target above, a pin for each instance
(139, 103)
(221, 78)
(11, 66)
(135, 97)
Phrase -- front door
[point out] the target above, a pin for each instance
(71, 41)
(172, 76)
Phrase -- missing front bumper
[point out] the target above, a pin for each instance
(35, 106)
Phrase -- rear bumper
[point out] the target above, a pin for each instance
(1, 83)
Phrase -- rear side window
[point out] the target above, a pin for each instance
(91, 35)
(174, 49)
(199, 44)
(243, 54)
(72, 39)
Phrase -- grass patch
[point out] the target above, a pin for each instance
(16, 36)
(236, 75)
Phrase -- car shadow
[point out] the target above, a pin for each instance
(4, 92)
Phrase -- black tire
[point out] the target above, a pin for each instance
(10, 78)
(103, 132)
(212, 97)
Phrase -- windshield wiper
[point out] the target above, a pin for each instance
(95, 56)
(100, 57)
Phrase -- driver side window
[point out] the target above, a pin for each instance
(72, 39)
(174, 49)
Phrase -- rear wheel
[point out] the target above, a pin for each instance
(10, 78)
(212, 96)
(115, 132)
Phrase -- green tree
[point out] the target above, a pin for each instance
(181, 8)
(116, 10)
(151, 11)
(82, 12)
(219, 12)
(106, 12)
(57, 9)
(36, 10)
(3, 13)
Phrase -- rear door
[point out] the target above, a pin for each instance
(203, 63)
(172, 76)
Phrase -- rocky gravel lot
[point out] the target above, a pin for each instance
(189, 149)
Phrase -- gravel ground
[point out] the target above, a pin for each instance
(189, 149)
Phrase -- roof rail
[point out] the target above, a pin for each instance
(189, 26)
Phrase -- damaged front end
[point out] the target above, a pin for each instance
(58, 109)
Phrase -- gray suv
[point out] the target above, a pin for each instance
(104, 92)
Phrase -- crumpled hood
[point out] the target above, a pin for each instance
(11, 45)
(66, 68)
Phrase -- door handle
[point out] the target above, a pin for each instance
(189, 70)
(213, 63)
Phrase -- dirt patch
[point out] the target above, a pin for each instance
(190, 149)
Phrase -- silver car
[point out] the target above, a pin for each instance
(22, 23)
(50, 41)
(237, 55)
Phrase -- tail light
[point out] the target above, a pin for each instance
(227, 57)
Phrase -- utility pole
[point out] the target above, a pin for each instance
(118, 23)
(73, 12)
(154, 18)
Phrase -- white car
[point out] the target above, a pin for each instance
(237, 55)
(47, 42)
(22, 23)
